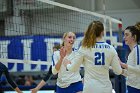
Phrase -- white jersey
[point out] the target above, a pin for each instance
(133, 71)
(97, 61)
(65, 77)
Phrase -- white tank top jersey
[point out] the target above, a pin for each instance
(97, 62)
(133, 71)
(65, 77)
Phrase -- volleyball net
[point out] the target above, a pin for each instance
(33, 27)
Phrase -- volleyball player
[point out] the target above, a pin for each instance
(67, 81)
(4, 70)
(96, 56)
(132, 39)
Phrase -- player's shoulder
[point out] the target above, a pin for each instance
(111, 48)
(57, 52)
(109, 45)
(136, 49)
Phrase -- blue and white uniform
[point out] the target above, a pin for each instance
(96, 61)
(67, 81)
(133, 71)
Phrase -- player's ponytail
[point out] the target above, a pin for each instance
(94, 30)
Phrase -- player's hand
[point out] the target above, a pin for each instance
(20, 92)
(125, 66)
(62, 52)
(34, 90)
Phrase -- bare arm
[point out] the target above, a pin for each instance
(43, 81)
(57, 66)
(38, 87)
(18, 90)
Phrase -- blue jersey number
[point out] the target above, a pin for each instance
(99, 58)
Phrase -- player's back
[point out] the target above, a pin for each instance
(97, 61)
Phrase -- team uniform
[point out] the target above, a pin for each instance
(133, 71)
(67, 81)
(4, 70)
(96, 61)
(48, 75)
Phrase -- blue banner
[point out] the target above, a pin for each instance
(34, 48)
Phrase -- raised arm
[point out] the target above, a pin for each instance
(57, 60)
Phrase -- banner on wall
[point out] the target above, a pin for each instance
(33, 48)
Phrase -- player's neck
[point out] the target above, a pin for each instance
(132, 46)
(99, 39)
(68, 50)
